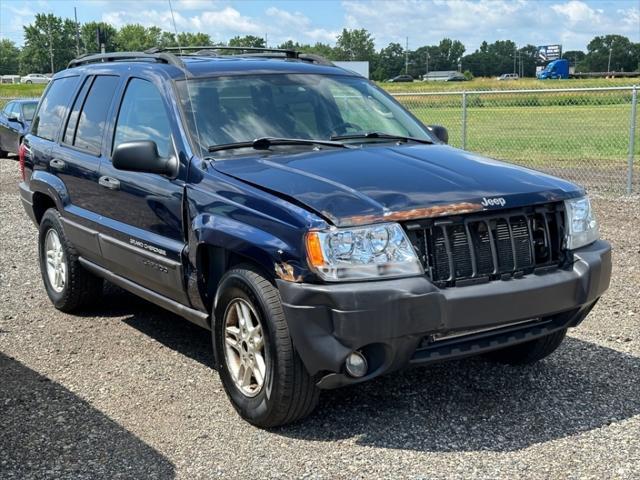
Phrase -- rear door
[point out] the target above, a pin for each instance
(143, 237)
(76, 159)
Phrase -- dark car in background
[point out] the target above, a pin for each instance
(321, 232)
(401, 78)
(15, 121)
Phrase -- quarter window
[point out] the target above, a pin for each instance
(53, 108)
(72, 122)
(93, 117)
(143, 117)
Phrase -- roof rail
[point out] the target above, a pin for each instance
(211, 50)
(171, 55)
(162, 57)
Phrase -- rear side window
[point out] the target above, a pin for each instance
(7, 109)
(93, 116)
(143, 117)
(53, 108)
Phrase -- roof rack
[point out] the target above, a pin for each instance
(211, 51)
(196, 49)
(162, 57)
(170, 55)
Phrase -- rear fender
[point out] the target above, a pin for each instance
(51, 186)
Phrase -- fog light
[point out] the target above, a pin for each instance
(356, 365)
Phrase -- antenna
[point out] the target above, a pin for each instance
(186, 79)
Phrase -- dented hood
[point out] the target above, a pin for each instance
(376, 183)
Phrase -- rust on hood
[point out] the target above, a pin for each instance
(414, 214)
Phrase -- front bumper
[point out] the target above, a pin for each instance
(390, 320)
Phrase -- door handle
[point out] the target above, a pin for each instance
(109, 182)
(57, 164)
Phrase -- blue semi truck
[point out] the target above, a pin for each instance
(558, 69)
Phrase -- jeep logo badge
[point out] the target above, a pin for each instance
(493, 202)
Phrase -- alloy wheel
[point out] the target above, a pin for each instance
(244, 347)
(56, 261)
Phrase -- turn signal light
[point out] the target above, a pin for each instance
(314, 250)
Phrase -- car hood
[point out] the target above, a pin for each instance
(391, 183)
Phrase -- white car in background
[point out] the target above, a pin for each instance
(35, 78)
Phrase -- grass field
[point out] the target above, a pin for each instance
(493, 84)
(19, 90)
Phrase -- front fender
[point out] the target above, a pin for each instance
(263, 248)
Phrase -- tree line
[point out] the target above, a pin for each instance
(50, 42)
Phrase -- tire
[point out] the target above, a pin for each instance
(288, 392)
(28, 82)
(77, 288)
(529, 352)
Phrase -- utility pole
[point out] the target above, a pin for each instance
(75, 14)
(515, 54)
(50, 43)
(406, 58)
(427, 58)
(609, 63)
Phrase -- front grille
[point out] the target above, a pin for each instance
(487, 246)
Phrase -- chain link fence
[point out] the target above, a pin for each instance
(586, 135)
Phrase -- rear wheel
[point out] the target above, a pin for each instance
(261, 372)
(529, 352)
(69, 286)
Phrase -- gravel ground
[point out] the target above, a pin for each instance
(125, 391)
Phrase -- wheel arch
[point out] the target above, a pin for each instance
(48, 192)
(220, 243)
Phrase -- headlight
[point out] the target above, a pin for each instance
(582, 227)
(363, 253)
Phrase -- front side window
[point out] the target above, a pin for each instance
(142, 116)
(53, 108)
(28, 109)
(227, 110)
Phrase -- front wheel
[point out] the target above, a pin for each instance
(260, 370)
(529, 352)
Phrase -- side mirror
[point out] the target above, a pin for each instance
(142, 156)
(13, 118)
(440, 132)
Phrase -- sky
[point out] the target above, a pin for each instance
(572, 23)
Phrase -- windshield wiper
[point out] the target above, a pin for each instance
(264, 143)
(387, 136)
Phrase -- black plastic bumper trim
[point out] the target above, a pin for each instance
(329, 321)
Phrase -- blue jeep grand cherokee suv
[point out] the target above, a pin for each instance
(320, 231)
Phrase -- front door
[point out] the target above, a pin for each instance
(143, 239)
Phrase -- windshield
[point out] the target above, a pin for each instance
(28, 109)
(243, 108)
